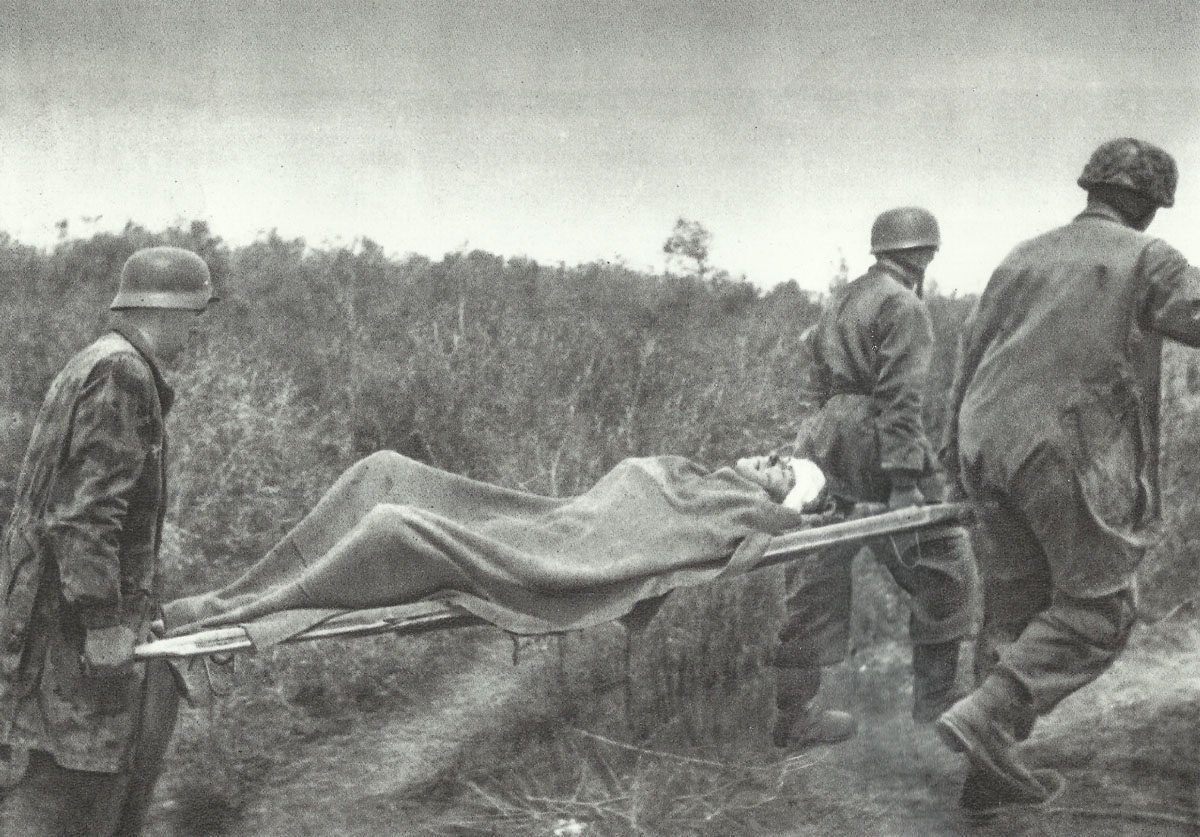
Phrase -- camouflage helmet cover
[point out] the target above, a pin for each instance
(1136, 165)
(903, 228)
(164, 277)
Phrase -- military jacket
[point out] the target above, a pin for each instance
(871, 352)
(1063, 352)
(80, 551)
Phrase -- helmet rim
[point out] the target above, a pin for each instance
(905, 228)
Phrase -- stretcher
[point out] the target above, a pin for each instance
(864, 523)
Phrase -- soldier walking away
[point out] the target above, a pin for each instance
(79, 568)
(871, 352)
(1054, 430)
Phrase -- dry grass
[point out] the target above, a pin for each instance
(608, 787)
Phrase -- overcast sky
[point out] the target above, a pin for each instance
(573, 131)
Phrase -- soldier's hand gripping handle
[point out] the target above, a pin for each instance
(905, 493)
(108, 651)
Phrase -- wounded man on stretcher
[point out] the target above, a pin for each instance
(393, 531)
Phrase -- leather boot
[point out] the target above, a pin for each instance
(982, 799)
(935, 680)
(813, 727)
(798, 725)
(985, 725)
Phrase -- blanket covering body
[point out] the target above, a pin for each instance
(392, 531)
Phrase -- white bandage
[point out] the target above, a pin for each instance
(810, 482)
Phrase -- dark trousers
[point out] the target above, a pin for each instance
(936, 568)
(1050, 640)
(52, 801)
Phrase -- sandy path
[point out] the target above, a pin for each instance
(369, 782)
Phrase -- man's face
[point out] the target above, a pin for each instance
(178, 329)
(920, 256)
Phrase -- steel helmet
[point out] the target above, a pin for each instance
(1135, 165)
(164, 277)
(903, 228)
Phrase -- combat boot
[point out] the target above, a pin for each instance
(985, 725)
(935, 680)
(982, 799)
(798, 725)
(814, 727)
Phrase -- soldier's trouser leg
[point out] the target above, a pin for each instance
(1039, 642)
(1016, 580)
(1068, 645)
(795, 688)
(937, 569)
(935, 679)
(816, 633)
(160, 709)
(51, 801)
(816, 629)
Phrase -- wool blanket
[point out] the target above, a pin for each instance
(392, 531)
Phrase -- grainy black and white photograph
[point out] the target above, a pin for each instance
(599, 418)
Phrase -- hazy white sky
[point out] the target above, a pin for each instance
(572, 131)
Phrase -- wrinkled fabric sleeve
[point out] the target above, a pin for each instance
(967, 359)
(905, 351)
(108, 447)
(1172, 300)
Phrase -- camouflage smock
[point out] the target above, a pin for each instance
(871, 352)
(1061, 358)
(80, 551)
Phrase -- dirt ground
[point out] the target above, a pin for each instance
(1129, 747)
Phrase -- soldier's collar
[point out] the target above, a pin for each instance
(1104, 212)
(166, 393)
(903, 274)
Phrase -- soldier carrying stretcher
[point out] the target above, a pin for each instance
(871, 353)
(79, 568)
(1054, 431)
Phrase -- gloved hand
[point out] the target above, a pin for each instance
(770, 472)
(108, 651)
(905, 495)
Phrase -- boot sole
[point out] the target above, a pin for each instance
(809, 743)
(1020, 788)
(1051, 780)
